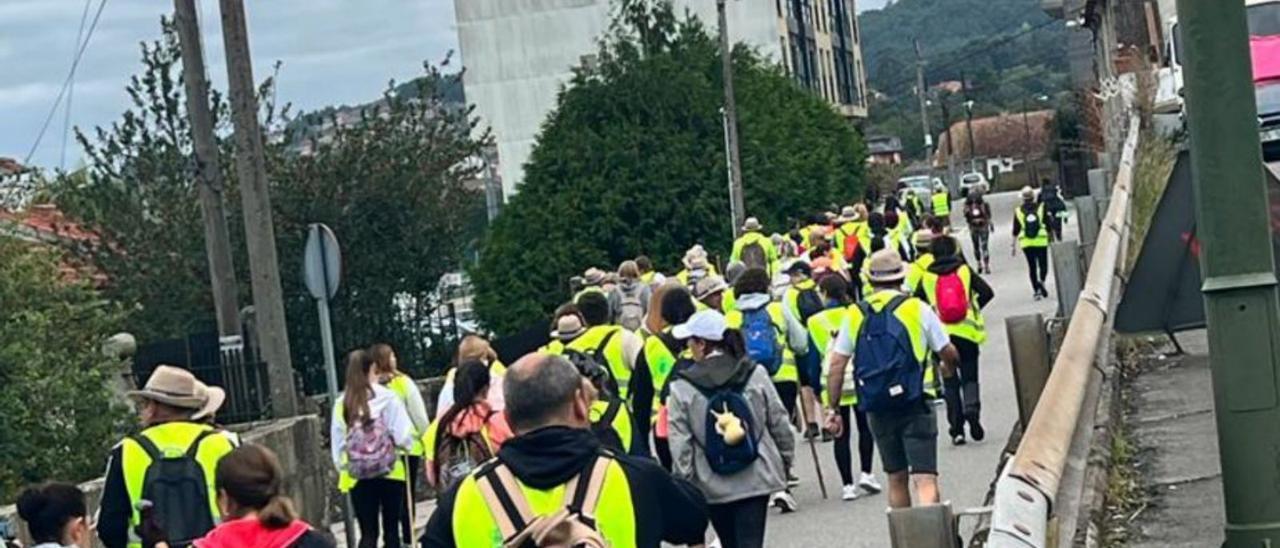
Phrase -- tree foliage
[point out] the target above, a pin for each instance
(632, 161)
(59, 415)
(394, 185)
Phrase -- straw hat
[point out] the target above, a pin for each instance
(594, 276)
(886, 267)
(214, 398)
(568, 328)
(709, 286)
(752, 225)
(172, 386)
(922, 238)
(696, 252)
(1028, 193)
(696, 263)
(848, 214)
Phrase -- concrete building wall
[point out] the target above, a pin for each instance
(519, 53)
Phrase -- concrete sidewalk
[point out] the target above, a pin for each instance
(1170, 418)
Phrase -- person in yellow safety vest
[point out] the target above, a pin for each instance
(648, 275)
(964, 402)
(379, 501)
(167, 404)
(915, 271)
(1032, 235)
(634, 503)
(474, 347)
(621, 351)
(754, 249)
(709, 293)
(753, 290)
(914, 207)
(466, 421)
(823, 328)
(731, 274)
(593, 281)
(906, 433)
(848, 234)
(799, 302)
(387, 365)
(665, 355)
(617, 432)
(696, 267)
(942, 203)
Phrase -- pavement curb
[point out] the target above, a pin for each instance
(1108, 414)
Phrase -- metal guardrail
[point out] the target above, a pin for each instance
(1026, 490)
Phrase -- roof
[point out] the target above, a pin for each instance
(9, 166)
(42, 223)
(1003, 136)
(886, 144)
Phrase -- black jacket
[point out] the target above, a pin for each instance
(667, 509)
(981, 290)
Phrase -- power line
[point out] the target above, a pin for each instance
(66, 83)
(986, 48)
(71, 90)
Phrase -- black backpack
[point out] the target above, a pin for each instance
(808, 303)
(753, 256)
(178, 490)
(1031, 221)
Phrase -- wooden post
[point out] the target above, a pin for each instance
(268, 302)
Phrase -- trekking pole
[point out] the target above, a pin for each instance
(409, 480)
(813, 449)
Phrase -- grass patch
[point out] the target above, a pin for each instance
(1125, 496)
(1156, 156)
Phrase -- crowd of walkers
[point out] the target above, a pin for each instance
(660, 407)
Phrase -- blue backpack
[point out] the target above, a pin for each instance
(728, 403)
(761, 339)
(889, 377)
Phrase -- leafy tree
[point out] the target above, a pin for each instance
(394, 186)
(632, 161)
(59, 414)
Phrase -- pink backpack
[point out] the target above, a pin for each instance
(371, 453)
(953, 300)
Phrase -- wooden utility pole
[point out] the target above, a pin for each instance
(264, 268)
(924, 105)
(217, 239)
(737, 208)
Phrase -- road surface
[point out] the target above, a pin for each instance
(966, 471)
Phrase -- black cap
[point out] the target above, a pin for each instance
(800, 267)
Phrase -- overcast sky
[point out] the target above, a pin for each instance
(333, 52)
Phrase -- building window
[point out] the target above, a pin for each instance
(783, 52)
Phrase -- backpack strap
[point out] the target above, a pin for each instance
(610, 413)
(582, 497)
(505, 500)
(895, 304)
(598, 353)
(148, 446)
(195, 445)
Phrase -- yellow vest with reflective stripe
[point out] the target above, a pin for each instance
(973, 328)
(400, 385)
(172, 438)
(683, 275)
(791, 297)
(941, 204)
(916, 271)
(823, 329)
(909, 315)
(475, 527)
(1041, 239)
(621, 421)
(345, 481)
(855, 228)
(787, 372)
(588, 342)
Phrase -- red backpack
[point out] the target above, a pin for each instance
(851, 245)
(953, 300)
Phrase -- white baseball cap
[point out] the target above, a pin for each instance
(707, 325)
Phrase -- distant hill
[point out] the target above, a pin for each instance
(317, 123)
(1010, 52)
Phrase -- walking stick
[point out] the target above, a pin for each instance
(409, 481)
(813, 449)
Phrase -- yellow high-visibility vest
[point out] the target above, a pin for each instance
(1042, 238)
(787, 372)
(973, 328)
(909, 315)
(824, 327)
(172, 439)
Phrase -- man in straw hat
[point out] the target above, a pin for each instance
(889, 336)
(170, 463)
(710, 293)
(921, 241)
(696, 267)
(754, 249)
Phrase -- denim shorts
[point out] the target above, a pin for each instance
(907, 440)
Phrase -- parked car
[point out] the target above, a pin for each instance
(922, 185)
(973, 180)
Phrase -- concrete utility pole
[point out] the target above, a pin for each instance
(924, 105)
(217, 239)
(951, 147)
(1240, 290)
(736, 202)
(264, 268)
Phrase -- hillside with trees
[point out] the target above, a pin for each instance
(1009, 51)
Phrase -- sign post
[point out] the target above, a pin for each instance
(322, 270)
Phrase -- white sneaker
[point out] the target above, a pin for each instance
(849, 492)
(784, 501)
(869, 484)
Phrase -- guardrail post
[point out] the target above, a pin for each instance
(1068, 275)
(1087, 220)
(929, 526)
(1029, 351)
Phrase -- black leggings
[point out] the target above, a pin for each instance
(740, 524)
(981, 238)
(787, 392)
(962, 390)
(866, 445)
(1037, 267)
(662, 448)
(379, 498)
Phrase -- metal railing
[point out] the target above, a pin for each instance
(1026, 491)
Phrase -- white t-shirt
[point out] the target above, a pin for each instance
(935, 337)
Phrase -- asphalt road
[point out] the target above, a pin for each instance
(966, 471)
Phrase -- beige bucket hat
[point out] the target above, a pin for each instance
(172, 386)
(886, 267)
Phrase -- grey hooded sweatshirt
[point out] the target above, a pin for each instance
(687, 409)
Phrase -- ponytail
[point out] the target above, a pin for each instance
(357, 392)
(470, 384)
(253, 480)
(278, 513)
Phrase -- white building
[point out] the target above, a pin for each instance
(518, 54)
